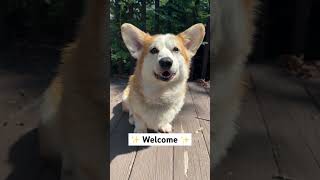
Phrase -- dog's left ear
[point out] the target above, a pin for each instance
(193, 37)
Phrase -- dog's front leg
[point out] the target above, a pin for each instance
(166, 128)
(140, 125)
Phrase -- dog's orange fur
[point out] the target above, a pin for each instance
(181, 41)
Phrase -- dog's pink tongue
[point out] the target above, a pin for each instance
(166, 73)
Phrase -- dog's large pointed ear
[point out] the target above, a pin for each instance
(193, 37)
(133, 39)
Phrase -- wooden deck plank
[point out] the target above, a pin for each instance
(201, 100)
(313, 112)
(116, 88)
(158, 162)
(114, 100)
(309, 110)
(16, 92)
(122, 156)
(153, 163)
(250, 156)
(19, 153)
(312, 85)
(205, 130)
(279, 97)
(190, 162)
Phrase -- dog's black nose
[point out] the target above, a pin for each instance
(165, 63)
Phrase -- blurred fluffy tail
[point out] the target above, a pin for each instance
(84, 61)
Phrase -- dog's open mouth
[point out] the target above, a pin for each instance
(165, 75)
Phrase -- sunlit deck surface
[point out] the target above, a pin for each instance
(162, 163)
(279, 135)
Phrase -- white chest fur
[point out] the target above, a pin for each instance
(158, 106)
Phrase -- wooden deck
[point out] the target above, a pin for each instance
(279, 134)
(19, 153)
(162, 163)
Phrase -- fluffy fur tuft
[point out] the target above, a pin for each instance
(233, 31)
(73, 125)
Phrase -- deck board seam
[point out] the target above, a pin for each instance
(134, 160)
(317, 106)
(274, 151)
(173, 163)
(197, 118)
(194, 105)
(314, 99)
(203, 119)
(313, 154)
(204, 139)
(300, 133)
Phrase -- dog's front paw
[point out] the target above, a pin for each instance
(167, 128)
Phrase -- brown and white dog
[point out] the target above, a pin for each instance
(233, 30)
(156, 91)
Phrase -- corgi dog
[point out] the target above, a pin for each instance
(73, 123)
(155, 92)
(233, 29)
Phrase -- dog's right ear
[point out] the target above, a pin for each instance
(133, 39)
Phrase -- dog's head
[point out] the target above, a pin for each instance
(164, 57)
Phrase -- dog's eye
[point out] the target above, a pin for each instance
(154, 51)
(175, 49)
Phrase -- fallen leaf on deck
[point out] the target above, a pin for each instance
(198, 130)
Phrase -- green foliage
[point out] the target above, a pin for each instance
(174, 17)
(54, 18)
(55, 10)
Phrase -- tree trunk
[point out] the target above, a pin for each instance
(169, 27)
(117, 13)
(205, 62)
(36, 17)
(195, 11)
(156, 18)
(130, 17)
(3, 25)
(72, 12)
(130, 11)
(143, 15)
